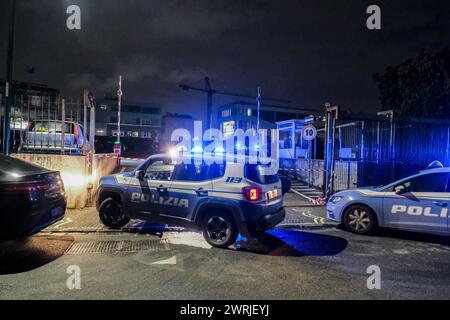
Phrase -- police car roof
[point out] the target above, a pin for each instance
(436, 170)
(204, 155)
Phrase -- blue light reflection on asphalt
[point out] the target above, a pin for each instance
(275, 242)
(310, 243)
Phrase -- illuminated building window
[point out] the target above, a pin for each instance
(226, 113)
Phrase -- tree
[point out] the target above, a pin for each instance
(417, 87)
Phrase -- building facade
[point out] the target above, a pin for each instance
(243, 115)
(171, 122)
(138, 119)
(29, 101)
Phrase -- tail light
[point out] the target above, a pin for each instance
(24, 188)
(252, 193)
(60, 184)
(56, 187)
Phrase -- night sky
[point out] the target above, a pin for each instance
(305, 51)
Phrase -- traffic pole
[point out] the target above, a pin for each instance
(8, 83)
(258, 116)
(117, 145)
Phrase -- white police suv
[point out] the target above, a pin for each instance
(222, 200)
(416, 203)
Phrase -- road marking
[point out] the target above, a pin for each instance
(69, 220)
(171, 261)
(400, 251)
(316, 219)
(189, 238)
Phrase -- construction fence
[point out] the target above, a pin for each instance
(372, 151)
(312, 172)
(27, 107)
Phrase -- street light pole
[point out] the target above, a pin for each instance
(9, 73)
(258, 103)
(117, 145)
(119, 107)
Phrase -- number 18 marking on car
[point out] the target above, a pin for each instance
(234, 180)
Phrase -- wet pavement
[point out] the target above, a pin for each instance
(33, 252)
(305, 257)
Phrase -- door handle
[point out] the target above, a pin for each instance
(440, 203)
(202, 192)
(161, 189)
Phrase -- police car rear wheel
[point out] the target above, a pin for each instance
(220, 230)
(360, 219)
(112, 214)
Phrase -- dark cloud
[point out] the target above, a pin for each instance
(306, 51)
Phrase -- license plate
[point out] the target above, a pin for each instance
(56, 212)
(272, 194)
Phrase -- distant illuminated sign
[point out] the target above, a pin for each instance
(309, 119)
(228, 127)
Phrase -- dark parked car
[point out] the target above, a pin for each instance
(31, 198)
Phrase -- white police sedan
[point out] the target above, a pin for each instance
(416, 203)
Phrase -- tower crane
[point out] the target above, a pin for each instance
(210, 92)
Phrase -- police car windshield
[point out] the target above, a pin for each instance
(254, 172)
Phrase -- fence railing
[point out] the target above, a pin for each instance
(375, 152)
(383, 141)
(26, 108)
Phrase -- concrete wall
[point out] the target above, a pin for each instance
(104, 164)
(80, 186)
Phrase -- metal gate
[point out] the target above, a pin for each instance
(27, 108)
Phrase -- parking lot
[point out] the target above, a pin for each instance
(306, 257)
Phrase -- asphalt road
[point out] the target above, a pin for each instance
(306, 257)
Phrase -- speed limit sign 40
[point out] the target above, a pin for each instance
(309, 132)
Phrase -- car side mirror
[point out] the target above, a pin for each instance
(400, 189)
(139, 174)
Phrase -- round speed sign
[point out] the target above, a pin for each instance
(309, 132)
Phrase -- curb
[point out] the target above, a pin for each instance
(303, 205)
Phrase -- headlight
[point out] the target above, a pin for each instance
(336, 199)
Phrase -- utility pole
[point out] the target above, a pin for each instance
(332, 114)
(209, 98)
(117, 144)
(9, 72)
(119, 107)
(390, 115)
(258, 102)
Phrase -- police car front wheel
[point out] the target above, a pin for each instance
(220, 230)
(112, 214)
(360, 219)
